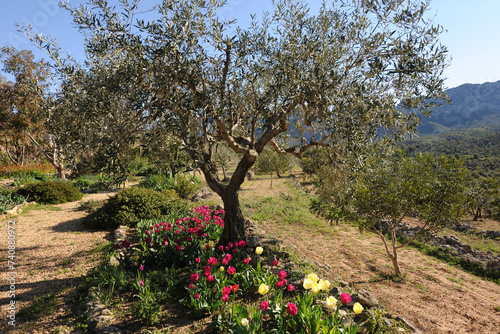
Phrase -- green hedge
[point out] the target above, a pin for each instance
(51, 192)
(131, 205)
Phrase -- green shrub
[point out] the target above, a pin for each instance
(131, 205)
(92, 183)
(51, 192)
(157, 182)
(184, 185)
(24, 180)
(5, 191)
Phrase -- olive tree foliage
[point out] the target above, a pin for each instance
(392, 188)
(165, 152)
(332, 78)
(98, 114)
(482, 193)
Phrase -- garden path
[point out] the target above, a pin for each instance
(53, 251)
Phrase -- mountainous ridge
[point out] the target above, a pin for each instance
(471, 105)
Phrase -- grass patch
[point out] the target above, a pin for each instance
(40, 307)
(103, 249)
(35, 207)
(456, 261)
(67, 262)
(288, 207)
(90, 205)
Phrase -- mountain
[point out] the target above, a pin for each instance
(471, 105)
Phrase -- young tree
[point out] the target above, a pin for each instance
(270, 161)
(335, 78)
(480, 193)
(430, 189)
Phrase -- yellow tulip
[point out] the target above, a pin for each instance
(307, 283)
(315, 288)
(331, 302)
(313, 277)
(244, 322)
(324, 285)
(263, 289)
(357, 308)
(259, 250)
(211, 244)
(221, 269)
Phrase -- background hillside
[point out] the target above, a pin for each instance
(471, 105)
(479, 148)
(468, 127)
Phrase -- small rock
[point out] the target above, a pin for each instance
(408, 324)
(346, 321)
(114, 261)
(362, 329)
(366, 298)
(253, 242)
(99, 321)
(452, 240)
(466, 248)
(343, 283)
(109, 330)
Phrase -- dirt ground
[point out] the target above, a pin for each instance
(53, 251)
(435, 296)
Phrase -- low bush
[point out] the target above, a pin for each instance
(7, 190)
(131, 205)
(34, 170)
(51, 192)
(184, 185)
(93, 183)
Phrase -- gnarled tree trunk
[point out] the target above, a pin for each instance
(234, 222)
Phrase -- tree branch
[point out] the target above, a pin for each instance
(383, 240)
(234, 143)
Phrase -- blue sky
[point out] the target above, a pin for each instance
(472, 30)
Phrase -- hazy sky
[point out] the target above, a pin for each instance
(472, 36)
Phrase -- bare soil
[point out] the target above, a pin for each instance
(435, 296)
(53, 251)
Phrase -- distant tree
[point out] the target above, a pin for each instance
(270, 162)
(335, 177)
(22, 103)
(427, 188)
(336, 78)
(224, 156)
(481, 193)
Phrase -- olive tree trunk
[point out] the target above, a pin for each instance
(234, 221)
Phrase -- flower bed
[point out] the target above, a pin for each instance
(219, 281)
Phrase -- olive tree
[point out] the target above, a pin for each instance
(338, 77)
(270, 161)
(426, 188)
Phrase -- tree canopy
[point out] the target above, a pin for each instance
(340, 77)
(22, 104)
